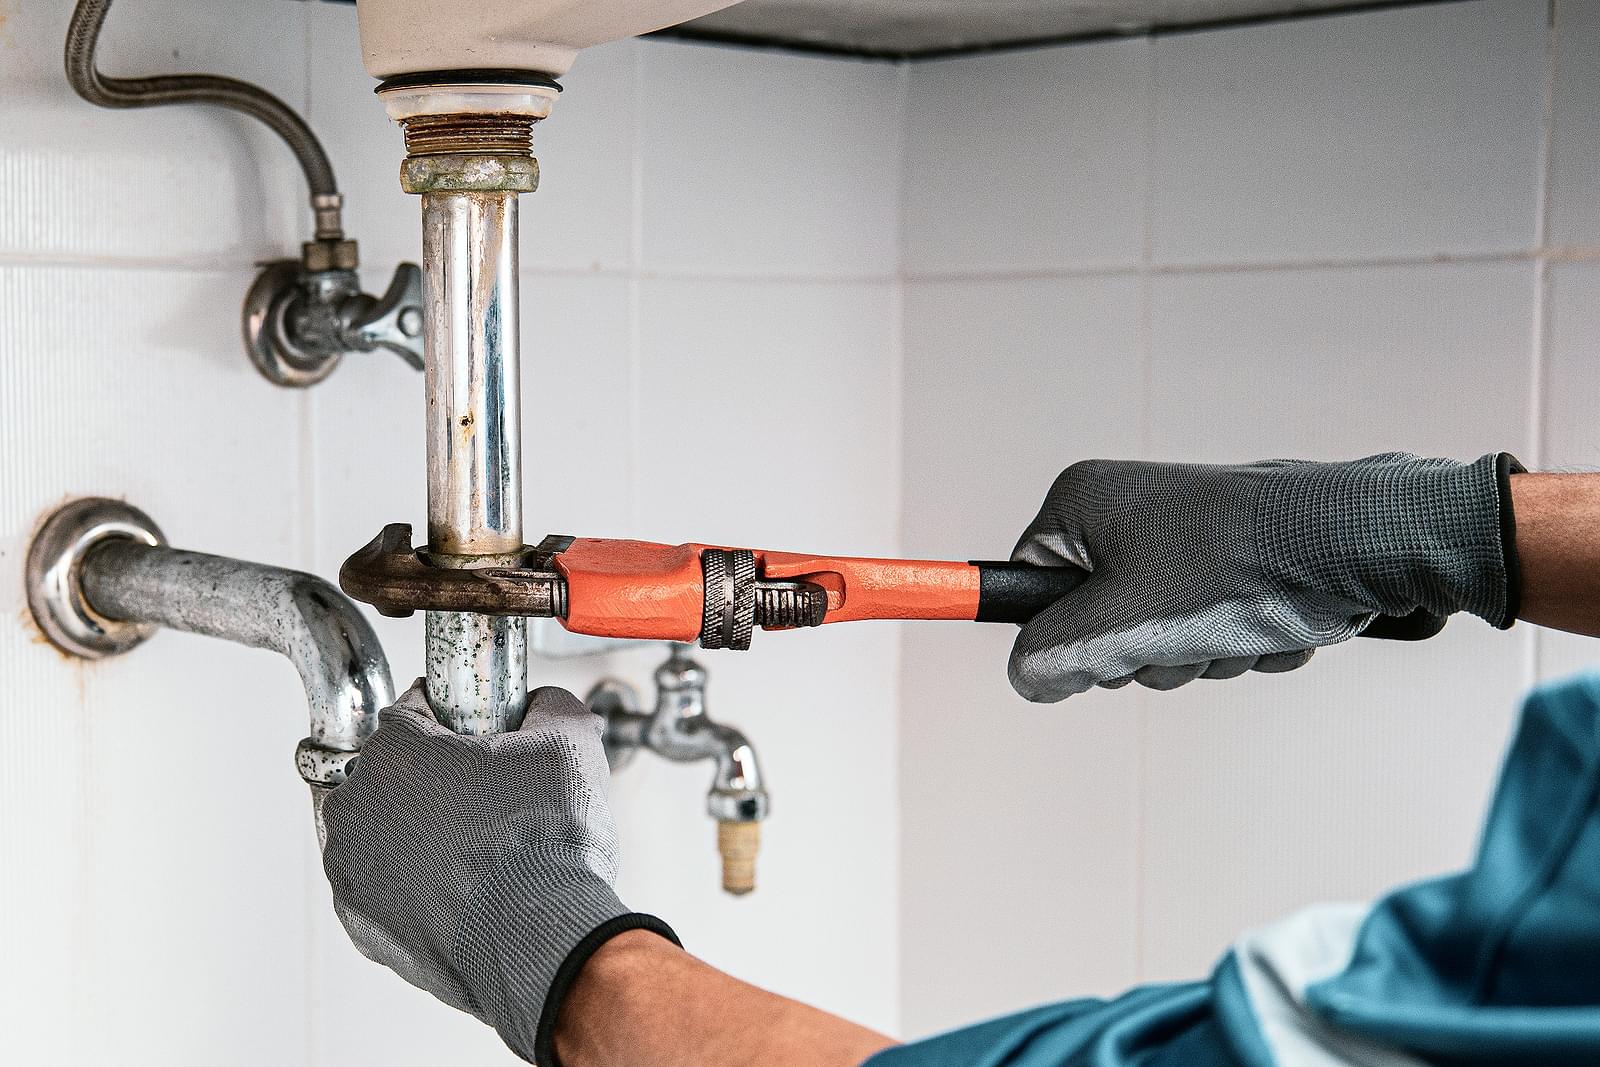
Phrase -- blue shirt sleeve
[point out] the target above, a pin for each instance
(1497, 965)
(1153, 1026)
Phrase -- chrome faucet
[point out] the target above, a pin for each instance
(680, 730)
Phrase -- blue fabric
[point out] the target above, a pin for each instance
(1500, 964)
(1153, 1026)
(1497, 965)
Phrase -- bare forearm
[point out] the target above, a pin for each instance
(1558, 544)
(643, 1002)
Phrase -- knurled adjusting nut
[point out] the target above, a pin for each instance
(462, 172)
(728, 615)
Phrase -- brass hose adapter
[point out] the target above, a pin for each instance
(738, 843)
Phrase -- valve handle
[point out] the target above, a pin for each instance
(394, 320)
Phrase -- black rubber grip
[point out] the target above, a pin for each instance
(1016, 592)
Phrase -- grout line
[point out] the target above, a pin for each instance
(1538, 437)
(1576, 253)
(315, 979)
(1543, 293)
(1144, 346)
(897, 397)
(1563, 254)
(635, 407)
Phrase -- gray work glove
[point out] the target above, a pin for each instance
(481, 868)
(1210, 571)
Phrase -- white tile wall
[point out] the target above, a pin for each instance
(1002, 802)
(1041, 167)
(130, 880)
(755, 166)
(1571, 435)
(1574, 164)
(1413, 132)
(157, 185)
(1292, 166)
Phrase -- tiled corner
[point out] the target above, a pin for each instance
(751, 165)
(1006, 382)
(1027, 160)
(1575, 131)
(1409, 132)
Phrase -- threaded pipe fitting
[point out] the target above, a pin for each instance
(469, 134)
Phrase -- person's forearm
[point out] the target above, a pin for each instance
(1558, 544)
(641, 1001)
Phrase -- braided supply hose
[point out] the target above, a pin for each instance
(83, 36)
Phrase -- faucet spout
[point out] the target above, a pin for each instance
(679, 729)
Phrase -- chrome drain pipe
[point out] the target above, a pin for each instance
(477, 665)
(101, 579)
(469, 155)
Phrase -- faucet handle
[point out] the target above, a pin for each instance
(301, 316)
(394, 321)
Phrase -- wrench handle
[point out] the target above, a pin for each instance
(1016, 592)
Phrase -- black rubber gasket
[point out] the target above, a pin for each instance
(487, 76)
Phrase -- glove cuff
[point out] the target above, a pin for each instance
(544, 1049)
(1505, 466)
(527, 919)
(1396, 533)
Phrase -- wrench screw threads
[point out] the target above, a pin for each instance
(736, 601)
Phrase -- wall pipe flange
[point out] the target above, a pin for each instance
(55, 575)
(300, 319)
(268, 338)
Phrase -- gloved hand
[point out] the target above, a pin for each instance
(481, 868)
(1210, 571)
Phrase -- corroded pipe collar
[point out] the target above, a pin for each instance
(467, 173)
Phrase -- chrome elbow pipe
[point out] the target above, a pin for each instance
(679, 729)
(101, 579)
